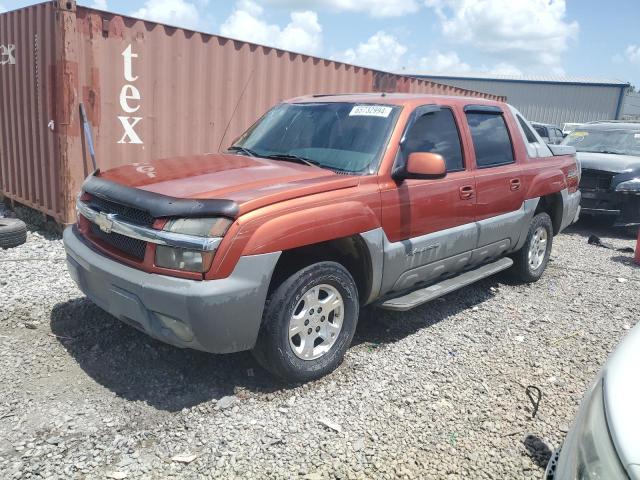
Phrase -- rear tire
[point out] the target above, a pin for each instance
(320, 303)
(13, 232)
(632, 232)
(531, 260)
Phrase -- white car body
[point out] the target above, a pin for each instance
(604, 440)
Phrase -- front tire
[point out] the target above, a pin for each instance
(308, 323)
(531, 260)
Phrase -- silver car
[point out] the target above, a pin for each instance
(604, 441)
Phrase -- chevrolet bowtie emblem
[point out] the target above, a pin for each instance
(104, 222)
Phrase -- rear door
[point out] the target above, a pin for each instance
(500, 193)
(430, 223)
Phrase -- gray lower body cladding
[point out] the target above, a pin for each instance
(426, 259)
(223, 315)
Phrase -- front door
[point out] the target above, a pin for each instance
(430, 223)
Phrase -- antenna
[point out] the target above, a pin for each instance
(235, 109)
(88, 135)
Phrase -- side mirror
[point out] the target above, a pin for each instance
(423, 165)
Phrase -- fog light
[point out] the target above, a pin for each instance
(178, 328)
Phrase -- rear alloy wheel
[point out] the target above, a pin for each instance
(531, 260)
(308, 323)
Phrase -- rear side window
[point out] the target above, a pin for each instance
(490, 139)
(531, 138)
(436, 132)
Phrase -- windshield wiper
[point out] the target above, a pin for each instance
(293, 158)
(246, 151)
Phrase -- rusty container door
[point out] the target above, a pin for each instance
(30, 171)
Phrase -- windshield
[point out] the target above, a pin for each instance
(621, 142)
(345, 137)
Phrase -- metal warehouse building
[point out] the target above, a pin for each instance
(548, 99)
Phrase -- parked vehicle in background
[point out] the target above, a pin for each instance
(549, 133)
(567, 128)
(604, 440)
(325, 205)
(609, 153)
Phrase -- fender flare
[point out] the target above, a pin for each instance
(310, 226)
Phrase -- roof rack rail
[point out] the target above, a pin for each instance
(611, 121)
(320, 95)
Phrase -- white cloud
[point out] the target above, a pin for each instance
(302, 34)
(504, 68)
(381, 51)
(173, 12)
(2, 9)
(99, 4)
(439, 63)
(532, 33)
(375, 8)
(632, 53)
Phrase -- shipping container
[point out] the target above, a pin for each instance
(150, 91)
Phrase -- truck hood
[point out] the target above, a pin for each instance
(608, 162)
(252, 182)
(622, 391)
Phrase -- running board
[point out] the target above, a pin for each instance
(424, 295)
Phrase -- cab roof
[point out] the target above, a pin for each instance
(399, 99)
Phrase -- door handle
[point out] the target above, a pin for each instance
(466, 192)
(515, 184)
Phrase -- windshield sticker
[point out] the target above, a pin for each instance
(370, 111)
(636, 135)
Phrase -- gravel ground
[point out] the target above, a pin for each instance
(438, 392)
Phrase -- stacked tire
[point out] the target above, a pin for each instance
(13, 232)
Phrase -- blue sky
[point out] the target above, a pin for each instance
(574, 37)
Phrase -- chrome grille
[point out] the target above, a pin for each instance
(595, 180)
(124, 212)
(130, 246)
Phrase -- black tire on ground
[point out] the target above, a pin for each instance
(522, 268)
(273, 349)
(13, 232)
(632, 232)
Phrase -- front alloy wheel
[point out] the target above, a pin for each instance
(308, 323)
(316, 322)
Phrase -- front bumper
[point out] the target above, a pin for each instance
(223, 315)
(624, 208)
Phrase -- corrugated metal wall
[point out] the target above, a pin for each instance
(631, 108)
(150, 91)
(29, 167)
(551, 102)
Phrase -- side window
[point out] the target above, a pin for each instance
(490, 139)
(436, 132)
(531, 138)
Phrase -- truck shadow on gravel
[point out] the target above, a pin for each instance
(383, 326)
(139, 368)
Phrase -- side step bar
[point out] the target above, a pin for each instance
(424, 295)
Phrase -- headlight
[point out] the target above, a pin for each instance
(632, 185)
(181, 259)
(588, 452)
(199, 227)
(191, 260)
